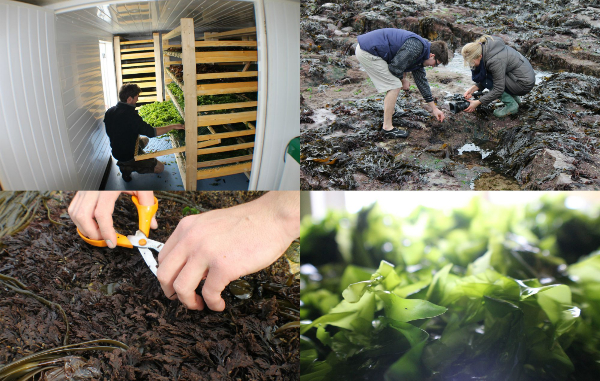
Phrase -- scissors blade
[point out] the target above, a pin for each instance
(145, 249)
(149, 259)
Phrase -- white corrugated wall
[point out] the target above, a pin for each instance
(34, 147)
(282, 20)
(82, 95)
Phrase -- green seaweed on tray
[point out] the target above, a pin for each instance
(160, 114)
(484, 292)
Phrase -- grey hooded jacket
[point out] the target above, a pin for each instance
(509, 69)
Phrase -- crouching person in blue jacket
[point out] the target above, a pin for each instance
(387, 55)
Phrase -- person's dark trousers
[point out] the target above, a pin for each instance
(141, 166)
(489, 84)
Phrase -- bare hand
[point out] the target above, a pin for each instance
(92, 213)
(222, 245)
(469, 93)
(439, 114)
(473, 106)
(405, 84)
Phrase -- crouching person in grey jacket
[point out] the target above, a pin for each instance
(387, 55)
(502, 70)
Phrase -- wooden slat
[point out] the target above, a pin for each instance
(159, 153)
(170, 95)
(172, 34)
(172, 54)
(117, 51)
(139, 64)
(140, 79)
(233, 147)
(226, 56)
(179, 158)
(226, 106)
(158, 66)
(144, 49)
(209, 143)
(147, 99)
(189, 94)
(136, 56)
(231, 74)
(208, 173)
(172, 76)
(202, 44)
(136, 42)
(235, 117)
(227, 88)
(139, 70)
(211, 163)
(237, 32)
(223, 135)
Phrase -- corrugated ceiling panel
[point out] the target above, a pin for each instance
(143, 18)
(34, 151)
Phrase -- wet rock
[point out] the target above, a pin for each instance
(331, 6)
(324, 42)
(371, 20)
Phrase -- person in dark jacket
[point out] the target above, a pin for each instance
(124, 125)
(387, 55)
(502, 70)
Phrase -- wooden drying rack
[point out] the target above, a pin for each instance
(137, 50)
(191, 170)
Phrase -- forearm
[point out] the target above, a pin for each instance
(283, 207)
(423, 85)
(165, 129)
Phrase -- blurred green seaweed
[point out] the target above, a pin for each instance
(482, 292)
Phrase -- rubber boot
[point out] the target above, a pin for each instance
(517, 98)
(510, 106)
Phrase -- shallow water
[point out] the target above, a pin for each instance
(456, 65)
(471, 147)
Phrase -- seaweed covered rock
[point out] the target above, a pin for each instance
(556, 145)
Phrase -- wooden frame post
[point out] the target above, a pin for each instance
(117, 50)
(158, 67)
(188, 52)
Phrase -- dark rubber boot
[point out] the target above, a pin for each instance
(510, 106)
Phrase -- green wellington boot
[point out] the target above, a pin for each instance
(510, 106)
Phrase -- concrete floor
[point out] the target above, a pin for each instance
(169, 179)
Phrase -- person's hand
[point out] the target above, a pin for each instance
(222, 245)
(473, 106)
(438, 114)
(405, 84)
(180, 127)
(469, 93)
(92, 213)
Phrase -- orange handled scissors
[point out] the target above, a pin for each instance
(140, 238)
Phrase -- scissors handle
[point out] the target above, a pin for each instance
(145, 214)
(121, 241)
